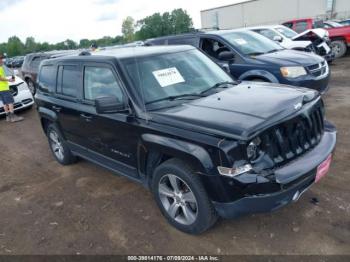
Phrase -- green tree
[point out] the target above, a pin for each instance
(181, 21)
(84, 43)
(30, 45)
(70, 44)
(15, 46)
(45, 47)
(176, 22)
(128, 29)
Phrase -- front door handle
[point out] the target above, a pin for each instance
(56, 108)
(86, 117)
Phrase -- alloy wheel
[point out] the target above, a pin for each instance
(56, 145)
(178, 199)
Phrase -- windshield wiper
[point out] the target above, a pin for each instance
(272, 51)
(255, 53)
(219, 85)
(178, 97)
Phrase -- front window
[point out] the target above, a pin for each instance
(175, 74)
(99, 82)
(250, 43)
(289, 33)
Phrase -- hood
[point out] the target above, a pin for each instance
(290, 58)
(295, 44)
(17, 81)
(311, 34)
(237, 112)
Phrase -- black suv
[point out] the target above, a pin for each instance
(250, 56)
(173, 120)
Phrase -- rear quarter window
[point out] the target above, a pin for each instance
(47, 79)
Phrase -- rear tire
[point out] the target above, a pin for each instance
(59, 147)
(338, 48)
(182, 198)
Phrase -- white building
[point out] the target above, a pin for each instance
(258, 12)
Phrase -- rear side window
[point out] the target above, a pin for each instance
(47, 79)
(68, 80)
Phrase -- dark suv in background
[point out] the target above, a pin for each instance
(250, 56)
(31, 64)
(174, 121)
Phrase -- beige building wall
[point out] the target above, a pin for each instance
(257, 12)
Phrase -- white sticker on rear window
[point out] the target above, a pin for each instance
(168, 77)
(241, 41)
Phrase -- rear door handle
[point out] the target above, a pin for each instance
(56, 108)
(86, 117)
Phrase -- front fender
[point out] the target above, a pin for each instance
(191, 153)
(258, 74)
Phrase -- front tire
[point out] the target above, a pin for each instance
(31, 86)
(182, 198)
(59, 147)
(338, 48)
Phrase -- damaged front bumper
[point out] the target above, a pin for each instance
(292, 180)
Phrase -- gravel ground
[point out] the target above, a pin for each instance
(84, 209)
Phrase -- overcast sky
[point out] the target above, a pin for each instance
(58, 20)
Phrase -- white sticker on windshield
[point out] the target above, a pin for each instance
(241, 41)
(168, 77)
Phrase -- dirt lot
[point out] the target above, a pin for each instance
(49, 209)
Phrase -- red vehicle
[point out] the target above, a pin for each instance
(338, 34)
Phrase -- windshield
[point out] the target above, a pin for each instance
(333, 24)
(289, 33)
(175, 74)
(250, 43)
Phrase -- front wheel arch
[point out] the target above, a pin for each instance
(259, 74)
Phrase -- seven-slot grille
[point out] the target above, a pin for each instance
(318, 70)
(292, 138)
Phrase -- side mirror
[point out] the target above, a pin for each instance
(109, 105)
(277, 38)
(227, 56)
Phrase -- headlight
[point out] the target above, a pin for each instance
(253, 149)
(234, 171)
(293, 71)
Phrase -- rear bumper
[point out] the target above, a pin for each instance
(294, 179)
